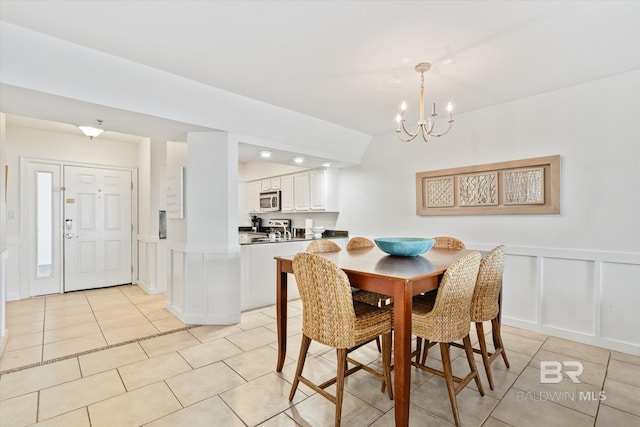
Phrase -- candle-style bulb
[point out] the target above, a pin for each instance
(449, 107)
(398, 118)
(403, 106)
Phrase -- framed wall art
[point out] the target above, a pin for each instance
(527, 186)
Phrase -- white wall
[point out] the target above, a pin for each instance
(4, 252)
(590, 251)
(60, 148)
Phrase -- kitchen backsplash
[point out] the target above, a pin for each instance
(328, 220)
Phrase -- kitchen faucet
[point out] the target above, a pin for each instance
(284, 228)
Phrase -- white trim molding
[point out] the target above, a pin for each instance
(4, 255)
(591, 297)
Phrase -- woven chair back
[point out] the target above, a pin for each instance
(327, 308)
(450, 318)
(484, 305)
(447, 242)
(359, 243)
(323, 245)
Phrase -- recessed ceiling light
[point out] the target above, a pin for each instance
(265, 154)
(298, 160)
(326, 164)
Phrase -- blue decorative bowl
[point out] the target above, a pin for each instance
(404, 246)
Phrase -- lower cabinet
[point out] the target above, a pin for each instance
(258, 272)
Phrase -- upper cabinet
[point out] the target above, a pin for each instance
(270, 184)
(314, 190)
(324, 189)
(253, 196)
(301, 192)
(286, 194)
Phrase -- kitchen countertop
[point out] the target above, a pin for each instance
(251, 238)
(250, 241)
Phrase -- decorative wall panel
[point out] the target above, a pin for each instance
(528, 186)
(524, 186)
(439, 192)
(478, 190)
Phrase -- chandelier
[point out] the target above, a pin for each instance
(425, 127)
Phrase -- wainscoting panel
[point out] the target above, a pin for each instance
(620, 302)
(204, 287)
(521, 288)
(567, 294)
(591, 297)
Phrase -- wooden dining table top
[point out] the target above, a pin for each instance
(375, 262)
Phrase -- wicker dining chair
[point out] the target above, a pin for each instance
(442, 242)
(323, 245)
(485, 306)
(359, 243)
(447, 242)
(444, 317)
(331, 317)
(368, 297)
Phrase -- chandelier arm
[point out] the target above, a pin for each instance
(425, 135)
(438, 135)
(411, 138)
(409, 134)
(432, 123)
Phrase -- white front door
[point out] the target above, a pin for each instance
(96, 227)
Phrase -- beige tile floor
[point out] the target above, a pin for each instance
(224, 375)
(54, 326)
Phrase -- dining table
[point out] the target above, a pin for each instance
(373, 270)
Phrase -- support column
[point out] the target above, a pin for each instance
(152, 253)
(204, 267)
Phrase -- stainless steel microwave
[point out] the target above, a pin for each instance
(270, 201)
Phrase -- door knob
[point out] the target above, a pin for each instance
(69, 236)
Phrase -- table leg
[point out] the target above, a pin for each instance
(402, 350)
(281, 314)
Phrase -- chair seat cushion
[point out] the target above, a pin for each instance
(423, 304)
(371, 321)
(372, 298)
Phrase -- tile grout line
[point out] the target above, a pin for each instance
(82, 353)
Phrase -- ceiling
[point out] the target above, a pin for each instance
(352, 62)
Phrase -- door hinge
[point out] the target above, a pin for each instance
(132, 185)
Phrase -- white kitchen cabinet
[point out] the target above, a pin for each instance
(301, 192)
(258, 272)
(270, 184)
(286, 193)
(316, 190)
(324, 190)
(253, 196)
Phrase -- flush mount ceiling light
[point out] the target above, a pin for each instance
(265, 154)
(425, 127)
(298, 160)
(92, 132)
